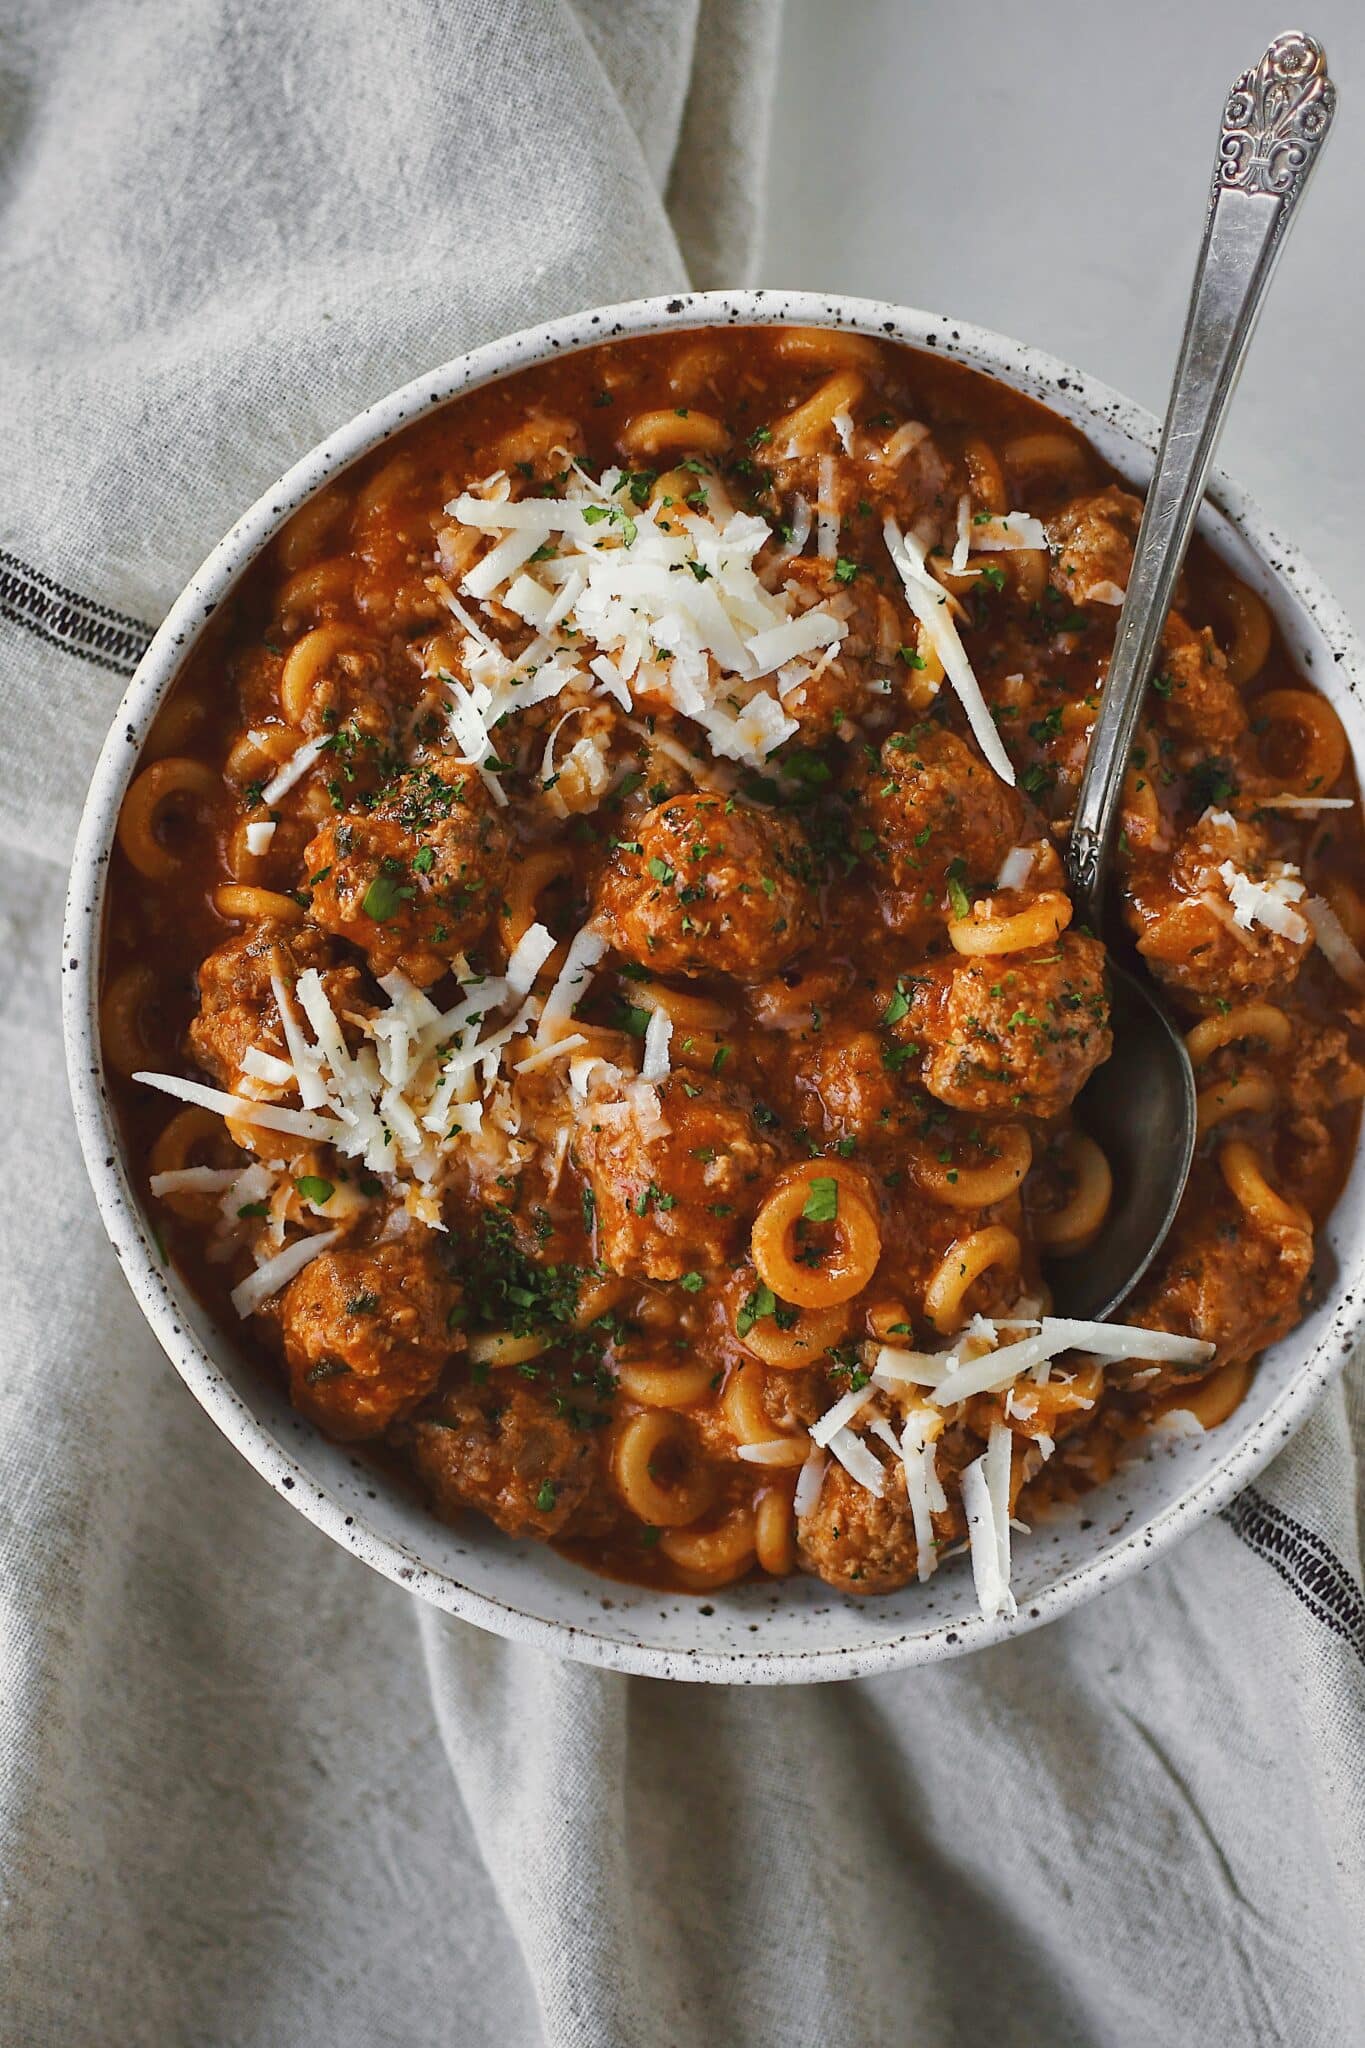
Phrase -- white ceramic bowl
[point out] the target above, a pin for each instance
(770, 1633)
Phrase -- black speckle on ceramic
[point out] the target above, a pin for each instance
(753, 1634)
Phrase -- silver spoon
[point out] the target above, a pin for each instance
(1140, 1106)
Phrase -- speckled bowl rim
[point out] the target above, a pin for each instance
(157, 1291)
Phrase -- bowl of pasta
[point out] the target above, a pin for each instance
(576, 1020)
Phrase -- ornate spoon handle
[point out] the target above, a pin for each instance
(1274, 126)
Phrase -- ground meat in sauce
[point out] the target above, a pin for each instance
(1201, 701)
(1194, 947)
(710, 886)
(844, 1089)
(501, 1448)
(666, 1207)
(1233, 1283)
(418, 878)
(935, 808)
(1021, 1033)
(237, 1006)
(855, 1541)
(1092, 543)
(367, 1334)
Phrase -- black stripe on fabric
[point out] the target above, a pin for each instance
(63, 618)
(1312, 1571)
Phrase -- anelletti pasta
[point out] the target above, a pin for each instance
(591, 991)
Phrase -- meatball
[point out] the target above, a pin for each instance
(1201, 702)
(710, 887)
(502, 1449)
(366, 1335)
(1225, 1281)
(237, 1005)
(1185, 920)
(854, 1540)
(674, 1193)
(1019, 1033)
(843, 1086)
(1092, 540)
(416, 879)
(932, 802)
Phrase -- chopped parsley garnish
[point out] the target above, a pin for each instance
(313, 1188)
(822, 1199)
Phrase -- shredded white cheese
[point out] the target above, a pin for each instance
(929, 602)
(1267, 903)
(277, 1272)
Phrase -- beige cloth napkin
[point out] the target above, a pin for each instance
(250, 1794)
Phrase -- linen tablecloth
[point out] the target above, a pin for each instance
(250, 1793)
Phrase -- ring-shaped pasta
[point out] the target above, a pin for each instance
(833, 346)
(175, 725)
(255, 754)
(308, 660)
(528, 880)
(815, 1331)
(173, 779)
(775, 1531)
(173, 1149)
(1263, 1021)
(857, 1237)
(596, 1297)
(1075, 1226)
(673, 430)
(305, 592)
(714, 1556)
(636, 1447)
(1037, 1411)
(1211, 1401)
(1249, 1095)
(241, 903)
(1249, 629)
(1051, 455)
(976, 1187)
(1038, 924)
(503, 1347)
(960, 1267)
(1240, 1166)
(810, 425)
(384, 486)
(304, 532)
(695, 367)
(987, 477)
(1323, 749)
(652, 1383)
(689, 1012)
(1030, 568)
(124, 1006)
(1141, 805)
(1348, 905)
(747, 1417)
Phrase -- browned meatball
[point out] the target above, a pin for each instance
(1200, 700)
(844, 1088)
(677, 1202)
(1022, 1033)
(416, 879)
(1224, 1281)
(1092, 541)
(502, 1449)
(237, 1005)
(710, 887)
(932, 803)
(1196, 948)
(366, 1335)
(855, 1541)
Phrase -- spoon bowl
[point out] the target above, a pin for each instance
(1139, 1107)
